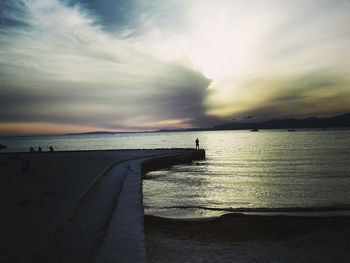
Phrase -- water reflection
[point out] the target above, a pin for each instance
(254, 170)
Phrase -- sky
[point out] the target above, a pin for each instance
(97, 65)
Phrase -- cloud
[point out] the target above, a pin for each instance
(273, 47)
(145, 64)
(321, 93)
(64, 68)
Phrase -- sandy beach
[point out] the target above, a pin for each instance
(243, 238)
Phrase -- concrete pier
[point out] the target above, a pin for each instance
(125, 236)
(161, 162)
(81, 206)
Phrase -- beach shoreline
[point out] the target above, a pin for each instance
(248, 238)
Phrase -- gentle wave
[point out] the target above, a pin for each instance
(262, 209)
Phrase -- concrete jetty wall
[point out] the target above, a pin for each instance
(162, 162)
(125, 235)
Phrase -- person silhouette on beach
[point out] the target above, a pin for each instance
(51, 149)
(197, 143)
(31, 149)
(39, 150)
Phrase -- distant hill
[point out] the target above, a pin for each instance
(104, 132)
(313, 122)
(91, 133)
(182, 130)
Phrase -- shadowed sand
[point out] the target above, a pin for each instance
(248, 238)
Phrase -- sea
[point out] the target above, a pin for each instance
(266, 172)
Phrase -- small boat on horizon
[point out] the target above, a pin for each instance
(291, 130)
(254, 130)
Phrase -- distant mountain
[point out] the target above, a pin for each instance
(91, 133)
(104, 132)
(107, 132)
(182, 130)
(313, 122)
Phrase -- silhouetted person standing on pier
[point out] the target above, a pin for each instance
(197, 143)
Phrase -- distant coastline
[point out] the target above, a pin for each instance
(338, 121)
(107, 132)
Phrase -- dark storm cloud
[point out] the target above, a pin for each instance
(184, 100)
(112, 14)
(178, 97)
(133, 17)
(11, 14)
(21, 106)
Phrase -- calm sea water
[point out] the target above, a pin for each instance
(244, 171)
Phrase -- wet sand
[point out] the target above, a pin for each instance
(248, 238)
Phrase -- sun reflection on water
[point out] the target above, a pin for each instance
(254, 170)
